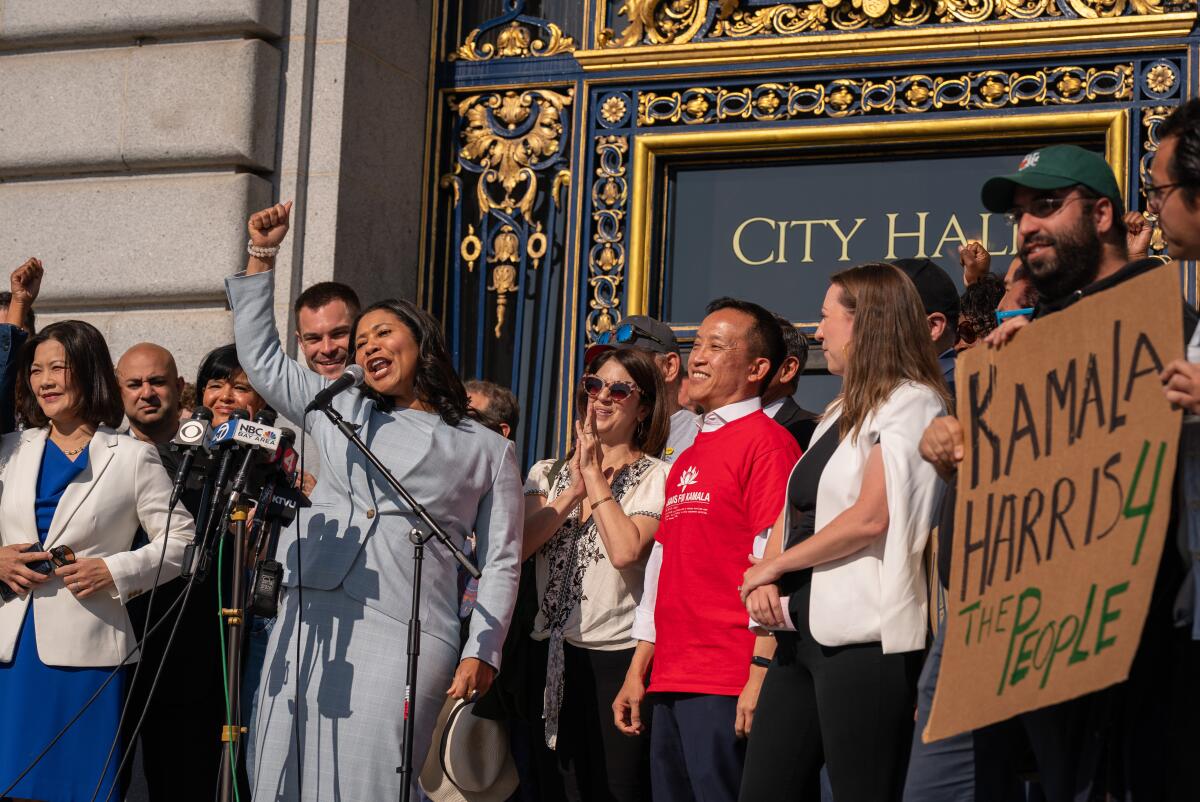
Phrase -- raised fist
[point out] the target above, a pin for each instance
(1137, 238)
(26, 281)
(269, 227)
(975, 261)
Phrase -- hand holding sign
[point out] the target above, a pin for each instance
(1181, 383)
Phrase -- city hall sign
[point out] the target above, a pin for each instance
(769, 216)
(856, 244)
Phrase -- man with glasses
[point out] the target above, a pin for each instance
(1172, 196)
(1068, 211)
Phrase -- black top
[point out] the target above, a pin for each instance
(802, 504)
(802, 487)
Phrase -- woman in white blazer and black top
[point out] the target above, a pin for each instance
(75, 493)
(850, 583)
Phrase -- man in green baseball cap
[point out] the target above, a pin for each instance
(1068, 211)
(1054, 167)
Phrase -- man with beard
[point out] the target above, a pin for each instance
(1112, 743)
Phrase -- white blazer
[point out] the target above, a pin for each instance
(123, 486)
(879, 593)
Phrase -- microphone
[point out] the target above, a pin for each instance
(223, 438)
(258, 436)
(352, 376)
(191, 437)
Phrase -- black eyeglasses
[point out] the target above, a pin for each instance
(1041, 207)
(1157, 195)
(618, 391)
(626, 333)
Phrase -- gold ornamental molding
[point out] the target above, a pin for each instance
(668, 33)
(515, 40)
(649, 149)
(667, 22)
(913, 94)
(512, 148)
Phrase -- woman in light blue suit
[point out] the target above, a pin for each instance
(341, 632)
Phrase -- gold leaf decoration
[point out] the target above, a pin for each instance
(1160, 79)
(515, 41)
(658, 22)
(989, 89)
(677, 22)
(613, 109)
(507, 161)
(606, 257)
(471, 248)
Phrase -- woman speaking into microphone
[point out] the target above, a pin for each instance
(331, 707)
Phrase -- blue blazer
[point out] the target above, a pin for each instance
(356, 532)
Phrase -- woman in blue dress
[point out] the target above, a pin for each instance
(82, 491)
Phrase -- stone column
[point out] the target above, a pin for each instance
(135, 139)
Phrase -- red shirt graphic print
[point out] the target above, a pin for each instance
(722, 491)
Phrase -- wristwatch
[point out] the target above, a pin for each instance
(760, 661)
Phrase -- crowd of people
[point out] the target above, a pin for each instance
(713, 594)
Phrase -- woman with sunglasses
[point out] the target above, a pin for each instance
(590, 520)
(847, 592)
(74, 495)
(331, 705)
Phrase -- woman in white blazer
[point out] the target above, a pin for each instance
(75, 490)
(849, 586)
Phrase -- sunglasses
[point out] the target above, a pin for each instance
(626, 333)
(967, 331)
(59, 556)
(618, 391)
(1003, 316)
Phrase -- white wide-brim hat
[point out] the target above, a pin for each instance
(469, 758)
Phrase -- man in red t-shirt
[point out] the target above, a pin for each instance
(725, 489)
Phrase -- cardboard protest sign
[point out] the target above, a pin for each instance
(1064, 495)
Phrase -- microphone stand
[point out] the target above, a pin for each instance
(418, 540)
(234, 616)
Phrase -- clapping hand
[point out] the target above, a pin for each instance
(587, 445)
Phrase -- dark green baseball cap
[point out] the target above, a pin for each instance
(1053, 167)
